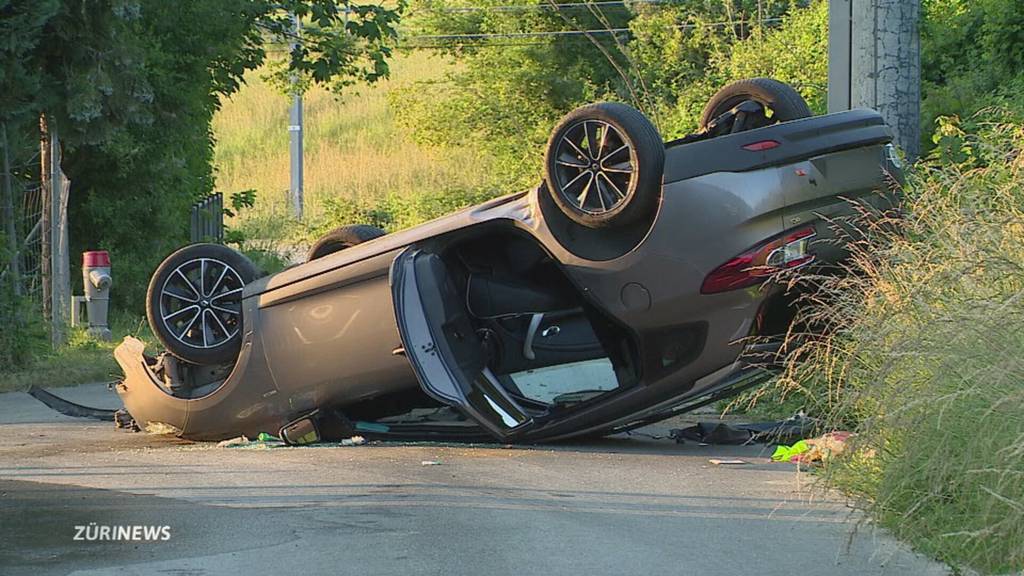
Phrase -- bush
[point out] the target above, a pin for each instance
(21, 333)
(924, 361)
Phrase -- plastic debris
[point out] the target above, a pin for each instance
(727, 461)
(785, 453)
(430, 463)
(264, 437)
(353, 441)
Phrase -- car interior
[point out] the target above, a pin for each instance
(543, 342)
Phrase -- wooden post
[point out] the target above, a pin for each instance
(44, 230)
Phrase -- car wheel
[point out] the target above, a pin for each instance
(194, 302)
(604, 164)
(778, 101)
(341, 238)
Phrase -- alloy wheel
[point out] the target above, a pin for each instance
(201, 303)
(595, 167)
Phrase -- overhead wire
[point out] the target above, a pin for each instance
(527, 7)
(544, 34)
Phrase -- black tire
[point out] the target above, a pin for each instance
(197, 325)
(341, 238)
(784, 102)
(624, 139)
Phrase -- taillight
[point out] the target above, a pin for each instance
(753, 266)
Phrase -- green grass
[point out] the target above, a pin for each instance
(356, 157)
(81, 361)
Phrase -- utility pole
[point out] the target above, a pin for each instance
(295, 135)
(875, 62)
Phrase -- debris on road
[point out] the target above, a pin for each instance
(161, 429)
(813, 450)
(353, 441)
(430, 463)
(232, 442)
(785, 453)
(69, 408)
(789, 430)
(727, 461)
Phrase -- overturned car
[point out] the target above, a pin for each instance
(618, 292)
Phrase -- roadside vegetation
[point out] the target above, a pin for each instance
(924, 362)
(83, 360)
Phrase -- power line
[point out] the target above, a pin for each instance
(486, 35)
(544, 34)
(526, 7)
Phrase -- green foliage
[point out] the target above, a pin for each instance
(341, 43)
(22, 335)
(507, 94)
(972, 55)
(505, 99)
(82, 360)
(691, 64)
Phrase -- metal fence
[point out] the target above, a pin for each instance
(30, 255)
(27, 213)
(207, 221)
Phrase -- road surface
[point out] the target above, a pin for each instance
(631, 505)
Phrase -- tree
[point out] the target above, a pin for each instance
(132, 86)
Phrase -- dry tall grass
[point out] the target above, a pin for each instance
(355, 154)
(924, 358)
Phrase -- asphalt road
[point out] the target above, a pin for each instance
(617, 506)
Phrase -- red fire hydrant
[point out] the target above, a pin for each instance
(96, 275)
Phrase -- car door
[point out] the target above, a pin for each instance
(442, 348)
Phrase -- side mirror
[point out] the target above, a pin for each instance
(301, 431)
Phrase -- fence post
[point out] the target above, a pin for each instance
(60, 262)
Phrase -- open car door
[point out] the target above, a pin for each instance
(443, 348)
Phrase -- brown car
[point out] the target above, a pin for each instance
(618, 292)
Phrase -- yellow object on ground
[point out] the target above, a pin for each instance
(785, 453)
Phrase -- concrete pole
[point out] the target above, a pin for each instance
(840, 21)
(295, 138)
(876, 60)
